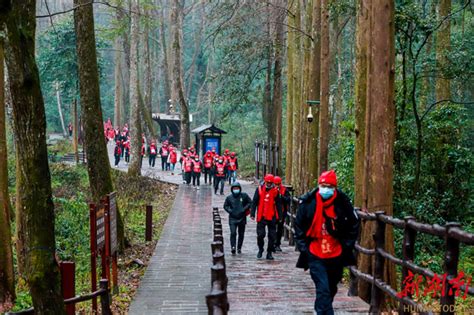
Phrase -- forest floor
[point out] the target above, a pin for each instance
(71, 195)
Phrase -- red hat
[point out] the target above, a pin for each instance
(232, 154)
(268, 178)
(277, 180)
(226, 151)
(328, 177)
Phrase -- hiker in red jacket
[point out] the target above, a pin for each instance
(188, 169)
(152, 151)
(207, 166)
(285, 205)
(172, 158)
(183, 156)
(164, 152)
(267, 204)
(197, 168)
(126, 146)
(219, 175)
(117, 153)
(232, 166)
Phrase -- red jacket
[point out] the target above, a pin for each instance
(197, 166)
(188, 165)
(152, 149)
(173, 157)
(266, 204)
(220, 169)
(232, 162)
(208, 161)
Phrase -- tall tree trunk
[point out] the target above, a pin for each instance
(443, 47)
(118, 98)
(380, 131)
(297, 106)
(7, 279)
(314, 91)
(267, 93)
(177, 22)
(324, 107)
(147, 99)
(277, 98)
(34, 200)
(165, 60)
(289, 100)
(60, 110)
(362, 29)
(98, 165)
(135, 125)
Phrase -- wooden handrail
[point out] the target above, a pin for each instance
(451, 232)
(103, 293)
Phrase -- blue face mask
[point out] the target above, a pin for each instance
(326, 192)
(235, 192)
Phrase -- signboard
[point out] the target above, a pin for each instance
(210, 142)
(100, 227)
(113, 222)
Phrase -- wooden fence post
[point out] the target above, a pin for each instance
(450, 267)
(68, 282)
(408, 252)
(105, 298)
(149, 223)
(379, 238)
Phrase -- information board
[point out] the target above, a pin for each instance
(100, 227)
(210, 143)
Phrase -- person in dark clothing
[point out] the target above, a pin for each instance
(267, 204)
(285, 205)
(326, 229)
(238, 205)
(117, 153)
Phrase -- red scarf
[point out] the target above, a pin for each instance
(315, 231)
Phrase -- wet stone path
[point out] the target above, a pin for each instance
(178, 276)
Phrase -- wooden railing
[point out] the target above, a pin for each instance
(103, 293)
(267, 159)
(216, 300)
(452, 234)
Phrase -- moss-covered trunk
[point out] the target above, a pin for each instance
(7, 280)
(34, 202)
(98, 166)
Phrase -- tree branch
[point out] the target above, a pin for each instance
(442, 101)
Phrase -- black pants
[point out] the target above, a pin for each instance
(164, 161)
(271, 226)
(280, 230)
(207, 173)
(219, 180)
(151, 160)
(187, 177)
(326, 274)
(234, 228)
(127, 157)
(117, 159)
(123, 150)
(196, 178)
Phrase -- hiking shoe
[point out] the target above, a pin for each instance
(233, 251)
(278, 249)
(269, 256)
(239, 251)
(259, 254)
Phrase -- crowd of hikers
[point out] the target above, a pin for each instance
(217, 169)
(326, 225)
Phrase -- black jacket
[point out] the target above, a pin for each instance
(236, 206)
(346, 224)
